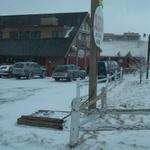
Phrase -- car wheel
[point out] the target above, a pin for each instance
(43, 75)
(29, 76)
(9, 75)
(56, 79)
(70, 78)
(83, 77)
(17, 77)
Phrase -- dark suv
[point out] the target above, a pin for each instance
(107, 67)
(68, 72)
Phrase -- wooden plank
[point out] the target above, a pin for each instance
(46, 119)
(87, 103)
(40, 123)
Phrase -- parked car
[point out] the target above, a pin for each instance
(107, 67)
(28, 70)
(6, 70)
(68, 72)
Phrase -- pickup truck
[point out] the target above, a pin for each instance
(69, 72)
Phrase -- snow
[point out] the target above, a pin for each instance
(24, 97)
(68, 32)
(137, 48)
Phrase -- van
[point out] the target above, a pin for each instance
(107, 67)
(28, 70)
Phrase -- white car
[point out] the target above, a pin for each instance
(6, 70)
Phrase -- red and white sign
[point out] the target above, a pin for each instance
(98, 26)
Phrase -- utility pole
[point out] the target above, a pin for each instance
(148, 53)
(93, 53)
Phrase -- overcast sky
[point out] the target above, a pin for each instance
(119, 15)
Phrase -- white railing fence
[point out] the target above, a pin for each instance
(82, 102)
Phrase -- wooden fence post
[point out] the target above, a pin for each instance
(104, 98)
(140, 75)
(107, 80)
(121, 74)
(116, 73)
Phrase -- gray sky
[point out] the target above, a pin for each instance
(119, 15)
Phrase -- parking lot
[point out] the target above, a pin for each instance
(23, 97)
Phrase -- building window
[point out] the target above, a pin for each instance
(83, 37)
(57, 34)
(35, 35)
(1, 35)
(24, 35)
(79, 36)
(14, 35)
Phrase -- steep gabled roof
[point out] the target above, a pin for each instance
(70, 19)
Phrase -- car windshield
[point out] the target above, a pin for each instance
(3, 67)
(61, 68)
(101, 66)
(19, 65)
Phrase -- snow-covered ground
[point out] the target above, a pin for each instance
(23, 97)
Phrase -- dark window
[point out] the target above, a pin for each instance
(1, 35)
(24, 35)
(61, 69)
(27, 65)
(55, 34)
(35, 35)
(18, 65)
(14, 35)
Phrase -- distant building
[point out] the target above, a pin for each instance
(126, 52)
(48, 39)
(130, 36)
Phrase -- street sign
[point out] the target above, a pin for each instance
(98, 26)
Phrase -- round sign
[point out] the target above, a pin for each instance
(98, 26)
(81, 53)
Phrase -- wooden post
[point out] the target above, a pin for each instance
(121, 74)
(107, 80)
(93, 56)
(104, 98)
(116, 74)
